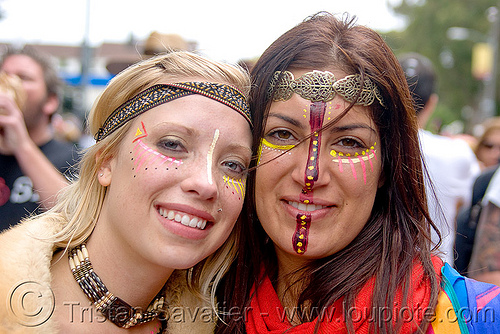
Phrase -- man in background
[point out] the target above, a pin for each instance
(451, 164)
(31, 160)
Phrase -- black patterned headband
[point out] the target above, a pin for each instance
(318, 86)
(163, 93)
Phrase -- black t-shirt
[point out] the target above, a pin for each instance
(17, 198)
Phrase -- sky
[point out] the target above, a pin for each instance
(224, 30)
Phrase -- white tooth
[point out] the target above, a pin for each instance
(160, 211)
(178, 218)
(185, 220)
(203, 224)
(302, 207)
(193, 222)
(170, 215)
(294, 204)
(311, 207)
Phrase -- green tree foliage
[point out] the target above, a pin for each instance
(427, 24)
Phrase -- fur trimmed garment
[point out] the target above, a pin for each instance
(26, 298)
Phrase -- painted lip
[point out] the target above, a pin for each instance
(204, 220)
(317, 209)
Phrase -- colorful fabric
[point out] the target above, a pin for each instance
(466, 306)
(267, 314)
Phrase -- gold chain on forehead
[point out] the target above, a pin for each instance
(318, 86)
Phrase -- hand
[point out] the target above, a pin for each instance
(13, 132)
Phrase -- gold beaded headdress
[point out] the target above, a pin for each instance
(318, 86)
(163, 93)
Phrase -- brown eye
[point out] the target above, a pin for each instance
(349, 142)
(283, 134)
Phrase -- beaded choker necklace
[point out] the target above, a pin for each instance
(113, 308)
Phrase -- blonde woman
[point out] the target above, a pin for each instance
(160, 190)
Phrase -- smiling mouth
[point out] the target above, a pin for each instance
(183, 218)
(307, 207)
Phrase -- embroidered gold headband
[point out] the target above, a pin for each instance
(318, 86)
(162, 93)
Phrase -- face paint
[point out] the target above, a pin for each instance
(299, 240)
(237, 185)
(265, 145)
(143, 154)
(316, 122)
(139, 134)
(317, 115)
(366, 155)
(210, 154)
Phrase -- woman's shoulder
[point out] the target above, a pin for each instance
(188, 312)
(466, 305)
(25, 266)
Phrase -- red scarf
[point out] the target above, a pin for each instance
(267, 315)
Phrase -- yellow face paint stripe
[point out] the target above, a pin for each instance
(357, 159)
(277, 147)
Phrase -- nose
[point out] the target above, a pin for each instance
(307, 169)
(200, 182)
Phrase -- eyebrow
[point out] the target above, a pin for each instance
(332, 129)
(290, 120)
(240, 147)
(352, 127)
(189, 131)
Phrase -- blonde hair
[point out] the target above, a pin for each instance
(490, 125)
(80, 204)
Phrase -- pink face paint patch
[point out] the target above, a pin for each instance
(300, 240)
(144, 155)
(360, 159)
(352, 168)
(364, 170)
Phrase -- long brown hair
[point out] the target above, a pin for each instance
(398, 231)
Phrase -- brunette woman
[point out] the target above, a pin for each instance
(338, 232)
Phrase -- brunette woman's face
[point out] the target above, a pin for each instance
(314, 199)
(177, 184)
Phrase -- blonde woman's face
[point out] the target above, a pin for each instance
(489, 149)
(177, 185)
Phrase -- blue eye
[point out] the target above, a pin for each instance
(171, 145)
(235, 166)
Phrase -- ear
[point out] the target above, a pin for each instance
(105, 171)
(51, 104)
